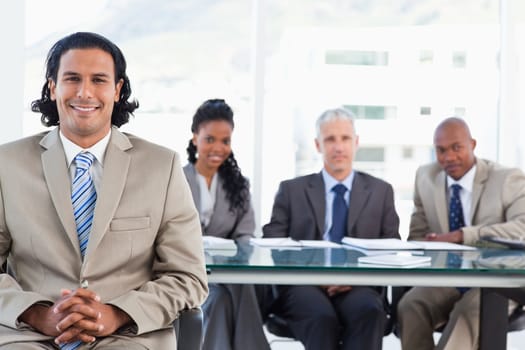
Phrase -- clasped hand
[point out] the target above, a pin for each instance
(77, 315)
(334, 290)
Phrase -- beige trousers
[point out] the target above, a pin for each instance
(422, 310)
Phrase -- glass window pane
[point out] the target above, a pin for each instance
(460, 111)
(426, 56)
(179, 53)
(382, 59)
(358, 58)
(372, 112)
(459, 59)
(390, 64)
(370, 154)
(425, 110)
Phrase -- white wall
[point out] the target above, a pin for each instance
(11, 69)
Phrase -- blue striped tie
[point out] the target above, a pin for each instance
(83, 197)
(71, 346)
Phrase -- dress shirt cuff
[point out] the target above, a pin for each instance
(471, 235)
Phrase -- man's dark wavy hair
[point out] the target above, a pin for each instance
(85, 40)
(235, 184)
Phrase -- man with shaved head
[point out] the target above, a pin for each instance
(460, 198)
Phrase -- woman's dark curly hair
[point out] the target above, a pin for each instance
(234, 183)
(85, 40)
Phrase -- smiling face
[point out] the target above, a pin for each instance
(213, 142)
(85, 92)
(337, 142)
(454, 148)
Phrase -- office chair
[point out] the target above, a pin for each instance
(517, 320)
(278, 326)
(188, 329)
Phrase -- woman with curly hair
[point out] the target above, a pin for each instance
(232, 319)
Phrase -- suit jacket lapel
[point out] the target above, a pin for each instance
(116, 166)
(221, 207)
(358, 197)
(477, 187)
(56, 173)
(315, 192)
(440, 200)
(191, 177)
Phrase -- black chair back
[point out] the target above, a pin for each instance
(188, 329)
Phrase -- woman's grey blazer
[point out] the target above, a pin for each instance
(223, 223)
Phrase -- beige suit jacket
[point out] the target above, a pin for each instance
(498, 203)
(144, 253)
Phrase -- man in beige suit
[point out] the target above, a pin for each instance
(142, 262)
(492, 202)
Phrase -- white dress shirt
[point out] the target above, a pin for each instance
(98, 150)
(207, 198)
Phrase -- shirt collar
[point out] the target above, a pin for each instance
(72, 149)
(330, 181)
(466, 182)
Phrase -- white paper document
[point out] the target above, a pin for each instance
(319, 244)
(288, 242)
(380, 243)
(218, 243)
(397, 244)
(275, 242)
(433, 245)
(395, 260)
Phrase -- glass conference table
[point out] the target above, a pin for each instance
(486, 268)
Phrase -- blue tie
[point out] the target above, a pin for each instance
(455, 222)
(455, 213)
(71, 346)
(83, 197)
(339, 214)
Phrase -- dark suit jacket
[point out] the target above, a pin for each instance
(299, 209)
